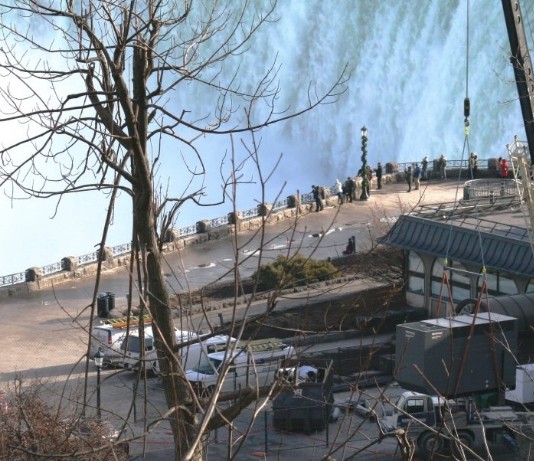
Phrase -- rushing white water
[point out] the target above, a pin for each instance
(408, 62)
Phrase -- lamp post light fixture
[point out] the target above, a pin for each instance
(363, 172)
(99, 360)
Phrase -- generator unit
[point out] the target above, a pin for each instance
(303, 398)
(456, 356)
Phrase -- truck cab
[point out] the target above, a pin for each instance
(440, 425)
(418, 410)
(111, 335)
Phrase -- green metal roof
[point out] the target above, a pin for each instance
(500, 247)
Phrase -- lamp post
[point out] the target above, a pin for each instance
(99, 360)
(363, 172)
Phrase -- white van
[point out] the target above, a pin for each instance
(190, 355)
(252, 363)
(131, 349)
(110, 334)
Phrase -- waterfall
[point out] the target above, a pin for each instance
(408, 64)
(411, 67)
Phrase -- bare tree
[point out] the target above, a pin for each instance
(92, 84)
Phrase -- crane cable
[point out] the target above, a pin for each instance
(493, 348)
(466, 147)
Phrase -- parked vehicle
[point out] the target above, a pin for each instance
(110, 334)
(190, 354)
(252, 363)
(439, 425)
(523, 394)
(132, 350)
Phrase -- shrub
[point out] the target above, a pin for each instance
(288, 272)
(31, 428)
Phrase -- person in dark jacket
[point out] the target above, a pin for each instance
(409, 178)
(379, 176)
(349, 189)
(317, 197)
(424, 170)
(416, 176)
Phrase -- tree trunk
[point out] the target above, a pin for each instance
(176, 391)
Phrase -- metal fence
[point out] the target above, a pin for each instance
(451, 165)
(118, 250)
(250, 213)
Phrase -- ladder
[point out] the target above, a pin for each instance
(124, 322)
(262, 345)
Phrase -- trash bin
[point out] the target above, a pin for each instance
(111, 300)
(102, 304)
(467, 193)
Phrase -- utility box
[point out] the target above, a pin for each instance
(303, 398)
(458, 355)
(524, 385)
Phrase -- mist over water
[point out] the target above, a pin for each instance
(408, 68)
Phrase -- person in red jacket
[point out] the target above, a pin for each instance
(504, 168)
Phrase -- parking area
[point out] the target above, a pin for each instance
(44, 337)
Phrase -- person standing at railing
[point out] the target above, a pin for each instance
(369, 174)
(416, 176)
(442, 165)
(409, 178)
(317, 197)
(473, 165)
(424, 169)
(339, 191)
(504, 168)
(378, 172)
(349, 189)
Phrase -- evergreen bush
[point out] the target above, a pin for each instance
(293, 271)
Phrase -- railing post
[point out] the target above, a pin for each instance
(33, 274)
(203, 227)
(69, 263)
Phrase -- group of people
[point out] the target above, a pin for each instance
(346, 190)
(423, 174)
(319, 194)
(415, 175)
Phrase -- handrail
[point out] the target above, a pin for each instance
(186, 231)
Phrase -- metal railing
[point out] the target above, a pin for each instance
(188, 230)
(12, 279)
(248, 214)
(491, 188)
(118, 250)
(451, 165)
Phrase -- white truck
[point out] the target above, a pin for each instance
(523, 394)
(190, 355)
(439, 425)
(110, 335)
(251, 363)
